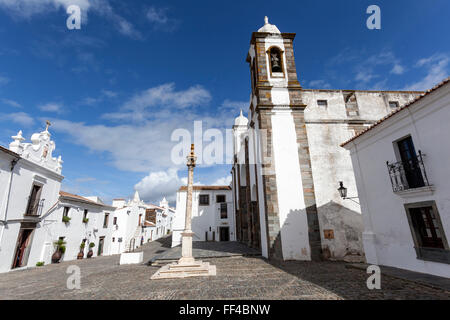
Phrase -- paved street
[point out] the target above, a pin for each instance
(237, 278)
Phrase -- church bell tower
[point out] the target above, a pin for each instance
(289, 222)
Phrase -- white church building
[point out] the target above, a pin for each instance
(288, 161)
(403, 179)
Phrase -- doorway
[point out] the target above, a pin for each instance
(101, 243)
(224, 233)
(23, 247)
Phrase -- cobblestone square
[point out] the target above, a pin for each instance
(238, 277)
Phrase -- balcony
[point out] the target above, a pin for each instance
(409, 176)
(35, 209)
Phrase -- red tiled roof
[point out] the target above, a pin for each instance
(445, 81)
(77, 197)
(184, 188)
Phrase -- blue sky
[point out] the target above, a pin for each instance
(137, 70)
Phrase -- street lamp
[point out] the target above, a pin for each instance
(342, 190)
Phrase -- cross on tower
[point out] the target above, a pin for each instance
(48, 123)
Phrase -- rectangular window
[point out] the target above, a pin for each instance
(105, 222)
(322, 103)
(115, 221)
(85, 213)
(203, 200)
(66, 212)
(427, 229)
(223, 211)
(220, 198)
(393, 104)
(429, 237)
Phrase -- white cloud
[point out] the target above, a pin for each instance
(319, 84)
(437, 69)
(157, 185)
(165, 95)
(224, 181)
(398, 69)
(11, 103)
(4, 80)
(51, 107)
(21, 118)
(158, 17)
(234, 106)
(25, 9)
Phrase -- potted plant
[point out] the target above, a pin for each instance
(85, 220)
(60, 249)
(39, 264)
(81, 253)
(90, 252)
(66, 219)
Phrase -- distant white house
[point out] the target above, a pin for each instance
(403, 180)
(212, 214)
(82, 220)
(136, 222)
(30, 181)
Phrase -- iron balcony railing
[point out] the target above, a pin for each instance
(35, 209)
(408, 174)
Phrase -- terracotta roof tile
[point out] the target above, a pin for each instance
(445, 81)
(77, 197)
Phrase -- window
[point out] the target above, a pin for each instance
(223, 211)
(113, 239)
(105, 222)
(85, 213)
(322, 103)
(65, 212)
(34, 201)
(220, 198)
(393, 104)
(204, 199)
(426, 228)
(115, 221)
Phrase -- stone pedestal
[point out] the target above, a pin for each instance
(187, 266)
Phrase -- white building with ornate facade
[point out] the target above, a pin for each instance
(30, 181)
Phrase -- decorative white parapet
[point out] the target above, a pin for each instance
(39, 150)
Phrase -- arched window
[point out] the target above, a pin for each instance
(275, 59)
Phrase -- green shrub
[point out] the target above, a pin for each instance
(91, 245)
(39, 264)
(85, 220)
(66, 219)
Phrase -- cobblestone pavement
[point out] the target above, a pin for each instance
(237, 278)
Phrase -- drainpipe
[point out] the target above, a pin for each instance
(5, 218)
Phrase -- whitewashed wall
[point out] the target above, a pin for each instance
(387, 235)
(204, 218)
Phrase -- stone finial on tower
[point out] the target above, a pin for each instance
(48, 124)
(266, 20)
